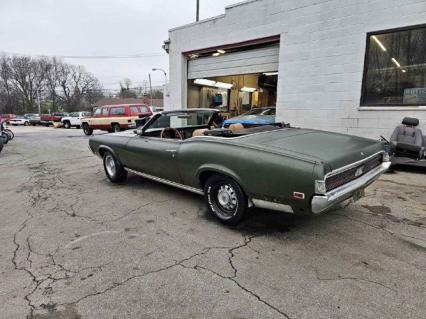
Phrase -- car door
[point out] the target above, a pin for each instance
(74, 119)
(154, 156)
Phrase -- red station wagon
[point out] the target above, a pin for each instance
(114, 118)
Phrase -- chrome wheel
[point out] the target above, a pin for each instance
(110, 165)
(227, 200)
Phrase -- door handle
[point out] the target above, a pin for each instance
(172, 151)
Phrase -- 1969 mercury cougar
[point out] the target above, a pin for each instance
(274, 167)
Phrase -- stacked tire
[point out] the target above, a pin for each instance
(6, 136)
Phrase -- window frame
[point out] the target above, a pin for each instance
(364, 75)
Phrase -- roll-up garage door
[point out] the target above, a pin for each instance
(264, 59)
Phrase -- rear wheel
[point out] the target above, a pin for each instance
(113, 168)
(1, 144)
(116, 128)
(87, 130)
(225, 199)
(67, 124)
(26, 123)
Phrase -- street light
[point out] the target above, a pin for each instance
(165, 81)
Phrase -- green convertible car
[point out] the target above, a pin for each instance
(274, 167)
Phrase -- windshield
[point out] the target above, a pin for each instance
(261, 111)
(181, 119)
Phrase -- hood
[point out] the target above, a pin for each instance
(335, 149)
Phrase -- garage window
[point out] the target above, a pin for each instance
(395, 68)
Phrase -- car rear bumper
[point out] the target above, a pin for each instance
(321, 203)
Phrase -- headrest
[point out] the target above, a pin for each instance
(410, 121)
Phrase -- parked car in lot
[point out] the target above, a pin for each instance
(6, 117)
(287, 169)
(255, 117)
(20, 120)
(35, 120)
(49, 119)
(114, 118)
(74, 119)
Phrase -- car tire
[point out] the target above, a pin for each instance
(87, 130)
(26, 123)
(116, 128)
(1, 144)
(67, 125)
(225, 199)
(113, 168)
(78, 127)
(9, 133)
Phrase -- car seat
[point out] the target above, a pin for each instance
(407, 140)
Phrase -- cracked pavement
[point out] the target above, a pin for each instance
(74, 245)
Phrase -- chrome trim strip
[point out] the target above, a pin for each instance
(321, 203)
(347, 167)
(272, 206)
(167, 182)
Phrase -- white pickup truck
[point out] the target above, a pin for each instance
(74, 119)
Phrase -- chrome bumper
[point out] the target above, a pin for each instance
(320, 203)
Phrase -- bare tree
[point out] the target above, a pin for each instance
(60, 86)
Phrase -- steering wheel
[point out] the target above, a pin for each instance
(170, 132)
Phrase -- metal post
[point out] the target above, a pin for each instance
(197, 16)
(150, 86)
(38, 101)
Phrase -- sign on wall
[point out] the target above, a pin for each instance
(415, 96)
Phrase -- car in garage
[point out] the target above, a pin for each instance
(299, 171)
(74, 119)
(255, 117)
(115, 118)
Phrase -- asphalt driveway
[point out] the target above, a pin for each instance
(73, 245)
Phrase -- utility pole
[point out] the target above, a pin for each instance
(197, 16)
(150, 86)
(38, 102)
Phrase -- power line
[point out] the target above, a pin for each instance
(92, 57)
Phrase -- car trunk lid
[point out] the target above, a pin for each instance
(337, 150)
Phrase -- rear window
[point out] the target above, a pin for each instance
(134, 109)
(139, 109)
(118, 111)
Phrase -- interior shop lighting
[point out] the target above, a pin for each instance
(270, 73)
(396, 62)
(220, 85)
(205, 82)
(216, 54)
(247, 89)
(221, 51)
(380, 44)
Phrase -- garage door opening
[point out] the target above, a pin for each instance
(234, 79)
(234, 94)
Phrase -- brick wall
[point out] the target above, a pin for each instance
(321, 56)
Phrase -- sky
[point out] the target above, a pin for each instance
(93, 28)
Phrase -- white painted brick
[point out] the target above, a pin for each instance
(321, 56)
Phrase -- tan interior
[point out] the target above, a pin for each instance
(199, 132)
(236, 127)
